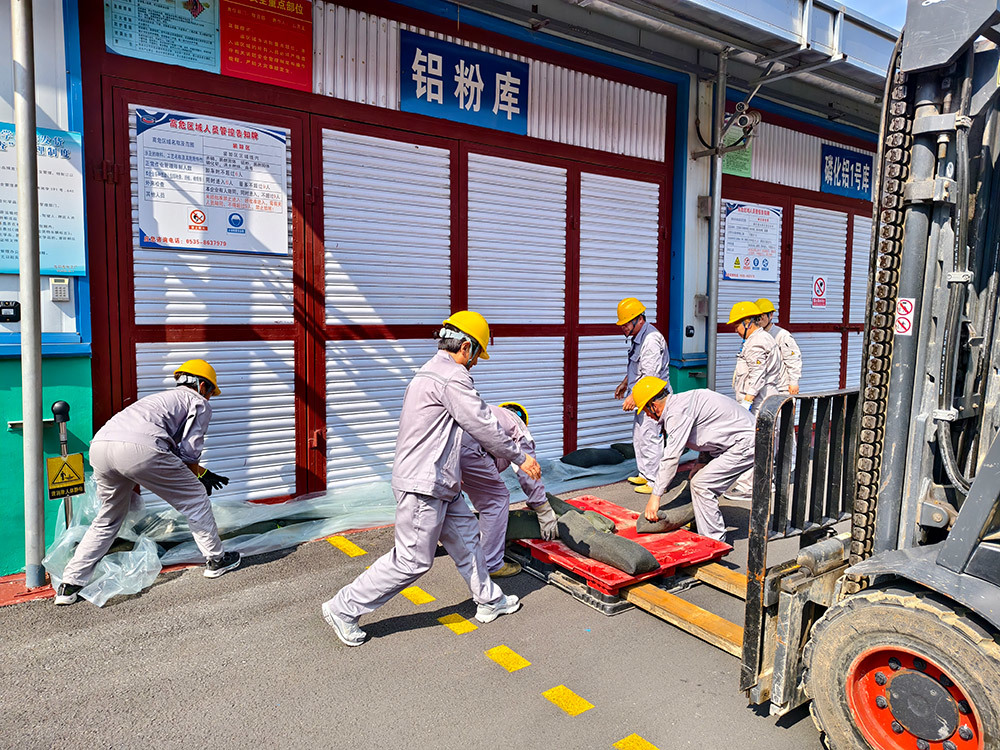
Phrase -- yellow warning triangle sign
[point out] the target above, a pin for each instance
(736, 263)
(66, 475)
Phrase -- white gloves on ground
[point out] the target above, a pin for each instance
(547, 520)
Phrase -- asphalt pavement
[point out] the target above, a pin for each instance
(247, 661)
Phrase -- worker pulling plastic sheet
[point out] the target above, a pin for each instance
(647, 356)
(155, 443)
(440, 402)
(482, 482)
(707, 422)
(759, 369)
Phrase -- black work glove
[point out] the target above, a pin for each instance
(213, 481)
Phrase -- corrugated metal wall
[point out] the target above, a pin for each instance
(251, 438)
(855, 347)
(820, 249)
(517, 240)
(820, 361)
(600, 419)
(860, 258)
(357, 59)
(619, 236)
(178, 287)
(727, 347)
(788, 157)
(387, 213)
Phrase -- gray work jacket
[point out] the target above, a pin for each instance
(759, 369)
(512, 424)
(791, 357)
(440, 402)
(648, 355)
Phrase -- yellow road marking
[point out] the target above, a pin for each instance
(346, 546)
(417, 595)
(567, 700)
(635, 742)
(457, 624)
(507, 658)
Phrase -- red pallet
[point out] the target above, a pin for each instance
(675, 549)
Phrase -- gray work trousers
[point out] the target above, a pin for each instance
(489, 495)
(712, 480)
(118, 467)
(648, 444)
(421, 521)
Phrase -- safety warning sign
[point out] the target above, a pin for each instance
(819, 291)
(65, 475)
(904, 316)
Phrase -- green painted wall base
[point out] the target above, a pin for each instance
(63, 379)
(688, 379)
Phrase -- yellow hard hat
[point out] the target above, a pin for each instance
(765, 305)
(517, 409)
(743, 310)
(200, 368)
(472, 324)
(629, 309)
(646, 389)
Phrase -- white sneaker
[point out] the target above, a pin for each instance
(489, 612)
(348, 632)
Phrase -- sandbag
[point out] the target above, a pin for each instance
(587, 458)
(578, 532)
(626, 449)
(675, 511)
(523, 523)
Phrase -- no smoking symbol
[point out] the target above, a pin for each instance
(819, 287)
(198, 217)
(905, 307)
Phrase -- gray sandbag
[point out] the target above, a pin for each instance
(587, 458)
(675, 511)
(579, 533)
(626, 449)
(523, 523)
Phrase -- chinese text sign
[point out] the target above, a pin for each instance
(207, 183)
(847, 173)
(446, 80)
(60, 203)
(753, 242)
(268, 42)
(177, 32)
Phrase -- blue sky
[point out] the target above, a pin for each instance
(890, 12)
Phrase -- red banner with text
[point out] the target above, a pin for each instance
(269, 41)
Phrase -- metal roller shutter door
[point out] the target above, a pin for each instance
(517, 240)
(251, 438)
(821, 354)
(619, 242)
(860, 258)
(855, 346)
(727, 347)
(387, 209)
(600, 419)
(819, 248)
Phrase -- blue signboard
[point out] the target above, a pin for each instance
(847, 173)
(446, 80)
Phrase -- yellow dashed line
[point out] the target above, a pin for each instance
(567, 700)
(507, 658)
(457, 624)
(635, 742)
(346, 546)
(417, 595)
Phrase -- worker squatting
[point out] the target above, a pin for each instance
(449, 441)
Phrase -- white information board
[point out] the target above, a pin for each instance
(207, 183)
(753, 241)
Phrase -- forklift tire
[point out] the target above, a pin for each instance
(894, 668)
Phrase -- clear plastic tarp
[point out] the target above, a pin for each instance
(163, 538)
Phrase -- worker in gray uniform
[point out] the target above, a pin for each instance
(439, 404)
(155, 443)
(788, 350)
(704, 421)
(647, 356)
(488, 492)
(759, 370)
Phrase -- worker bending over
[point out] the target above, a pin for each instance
(440, 402)
(155, 443)
(759, 370)
(647, 356)
(704, 421)
(482, 482)
(788, 350)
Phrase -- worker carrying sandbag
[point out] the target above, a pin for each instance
(647, 356)
(440, 402)
(759, 370)
(707, 422)
(155, 443)
(482, 482)
(788, 350)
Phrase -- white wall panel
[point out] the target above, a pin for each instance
(819, 248)
(619, 236)
(517, 240)
(251, 438)
(599, 418)
(529, 371)
(732, 291)
(51, 105)
(180, 287)
(387, 232)
(860, 258)
(789, 157)
(855, 347)
(820, 361)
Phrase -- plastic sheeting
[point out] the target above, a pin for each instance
(163, 538)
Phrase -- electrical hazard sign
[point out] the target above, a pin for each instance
(65, 475)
